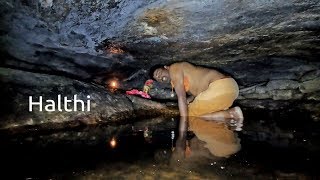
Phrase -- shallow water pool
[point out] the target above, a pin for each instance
(151, 149)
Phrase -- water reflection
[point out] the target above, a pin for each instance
(219, 139)
(188, 148)
(212, 138)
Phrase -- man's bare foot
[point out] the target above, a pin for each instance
(236, 121)
(236, 113)
(235, 125)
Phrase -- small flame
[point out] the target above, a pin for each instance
(114, 84)
(113, 142)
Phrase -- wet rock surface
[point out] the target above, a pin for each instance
(106, 106)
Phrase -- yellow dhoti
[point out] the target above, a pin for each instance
(219, 140)
(219, 96)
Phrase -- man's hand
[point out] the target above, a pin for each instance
(180, 148)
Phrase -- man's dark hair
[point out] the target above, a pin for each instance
(153, 68)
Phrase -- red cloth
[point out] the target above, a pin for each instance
(137, 92)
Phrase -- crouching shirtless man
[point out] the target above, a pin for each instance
(211, 92)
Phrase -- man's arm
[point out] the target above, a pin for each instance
(177, 80)
(183, 127)
(180, 149)
(182, 101)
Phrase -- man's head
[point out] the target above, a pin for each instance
(162, 74)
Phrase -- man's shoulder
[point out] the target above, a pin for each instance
(182, 65)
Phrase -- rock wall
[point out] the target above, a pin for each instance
(271, 48)
(106, 107)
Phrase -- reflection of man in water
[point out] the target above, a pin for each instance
(212, 92)
(211, 135)
(218, 138)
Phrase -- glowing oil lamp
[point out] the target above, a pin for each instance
(114, 84)
(113, 142)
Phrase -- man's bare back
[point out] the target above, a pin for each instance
(198, 78)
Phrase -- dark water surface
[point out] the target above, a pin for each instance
(264, 149)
